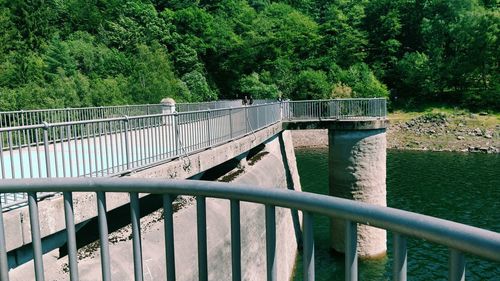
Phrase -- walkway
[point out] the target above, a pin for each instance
(111, 146)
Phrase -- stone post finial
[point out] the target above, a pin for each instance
(168, 105)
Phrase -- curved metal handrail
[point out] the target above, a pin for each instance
(458, 237)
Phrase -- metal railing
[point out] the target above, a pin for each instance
(342, 109)
(460, 239)
(59, 115)
(210, 105)
(109, 145)
(220, 104)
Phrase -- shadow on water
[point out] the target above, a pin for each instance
(460, 187)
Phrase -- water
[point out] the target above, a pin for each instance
(460, 187)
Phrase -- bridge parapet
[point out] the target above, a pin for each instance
(458, 238)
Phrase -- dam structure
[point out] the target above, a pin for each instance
(101, 193)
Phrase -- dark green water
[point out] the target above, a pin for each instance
(455, 186)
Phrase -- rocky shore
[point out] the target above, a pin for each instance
(459, 132)
(445, 132)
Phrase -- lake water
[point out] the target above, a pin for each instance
(455, 186)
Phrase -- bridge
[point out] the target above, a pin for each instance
(41, 149)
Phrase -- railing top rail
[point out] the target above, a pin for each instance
(123, 118)
(480, 242)
(341, 99)
(77, 108)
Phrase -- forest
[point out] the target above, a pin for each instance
(73, 53)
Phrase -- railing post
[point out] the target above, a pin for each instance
(201, 219)
(308, 252)
(456, 266)
(169, 236)
(246, 120)
(209, 141)
(258, 118)
(271, 242)
(70, 235)
(135, 215)
(231, 123)
(399, 264)
(103, 236)
(46, 148)
(235, 240)
(36, 239)
(177, 132)
(127, 147)
(265, 115)
(351, 251)
(4, 267)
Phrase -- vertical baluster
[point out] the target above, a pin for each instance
(106, 145)
(103, 236)
(36, 240)
(71, 235)
(89, 147)
(201, 222)
(11, 154)
(116, 166)
(399, 264)
(77, 153)
(136, 235)
(163, 134)
(271, 242)
(351, 252)
(146, 140)
(235, 240)
(169, 236)
(177, 132)
(135, 145)
(70, 150)
(54, 145)
(156, 140)
(309, 272)
(4, 267)
(48, 169)
(37, 147)
(230, 123)
(100, 137)
(456, 265)
(209, 140)
(128, 158)
(2, 163)
(63, 153)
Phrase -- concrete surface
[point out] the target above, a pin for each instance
(51, 210)
(357, 171)
(266, 169)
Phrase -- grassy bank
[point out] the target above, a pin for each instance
(444, 129)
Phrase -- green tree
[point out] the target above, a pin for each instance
(311, 85)
(363, 82)
(152, 77)
(198, 86)
(344, 41)
(252, 86)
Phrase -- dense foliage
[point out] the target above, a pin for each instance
(59, 53)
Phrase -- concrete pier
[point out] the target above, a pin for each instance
(357, 171)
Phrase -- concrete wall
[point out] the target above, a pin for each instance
(310, 138)
(275, 169)
(52, 209)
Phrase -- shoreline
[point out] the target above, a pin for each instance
(436, 132)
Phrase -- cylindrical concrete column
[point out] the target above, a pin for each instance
(168, 105)
(357, 171)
